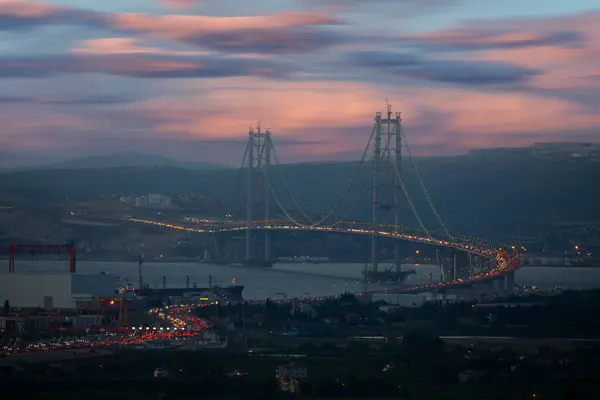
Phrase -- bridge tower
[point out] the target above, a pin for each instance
(258, 164)
(391, 128)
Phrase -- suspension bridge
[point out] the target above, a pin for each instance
(462, 262)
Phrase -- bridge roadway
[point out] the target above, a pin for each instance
(503, 262)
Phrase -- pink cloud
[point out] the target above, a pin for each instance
(566, 50)
(26, 9)
(280, 33)
(324, 111)
(184, 26)
(287, 32)
(124, 45)
(23, 126)
(179, 4)
(332, 118)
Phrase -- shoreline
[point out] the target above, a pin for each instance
(196, 261)
(192, 261)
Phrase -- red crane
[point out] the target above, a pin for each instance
(43, 249)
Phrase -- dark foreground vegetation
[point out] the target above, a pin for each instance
(419, 368)
(413, 362)
(567, 315)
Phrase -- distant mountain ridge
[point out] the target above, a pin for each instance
(119, 160)
(487, 196)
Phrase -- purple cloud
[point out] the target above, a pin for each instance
(139, 66)
(482, 39)
(282, 33)
(82, 100)
(461, 72)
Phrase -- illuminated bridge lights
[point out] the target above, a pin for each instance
(504, 262)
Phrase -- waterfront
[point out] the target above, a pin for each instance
(294, 280)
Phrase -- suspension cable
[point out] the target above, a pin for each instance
(409, 200)
(424, 189)
(276, 198)
(344, 194)
(313, 224)
(239, 175)
(351, 211)
(292, 219)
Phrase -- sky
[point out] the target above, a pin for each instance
(187, 78)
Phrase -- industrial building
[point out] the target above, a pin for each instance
(54, 291)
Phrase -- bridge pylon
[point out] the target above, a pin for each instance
(390, 128)
(257, 189)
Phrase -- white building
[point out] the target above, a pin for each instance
(49, 291)
(153, 200)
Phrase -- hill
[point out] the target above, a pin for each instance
(472, 194)
(126, 160)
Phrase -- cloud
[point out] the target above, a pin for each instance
(83, 100)
(208, 120)
(282, 33)
(478, 84)
(461, 72)
(180, 4)
(138, 66)
(400, 7)
(21, 14)
(278, 33)
(470, 72)
(125, 45)
(340, 115)
(566, 49)
(482, 39)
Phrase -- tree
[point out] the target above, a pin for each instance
(422, 344)
(308, 348)
(357, 347)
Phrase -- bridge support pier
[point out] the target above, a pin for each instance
(250, 195)
(447, 270)
(375, 192)
(500, 286)
(267, 197)
(258, 152)
(510, 282)
(397, 190)
(471, 264)
(461, 264)
(489, 287)
(394, 194)
(215, 247)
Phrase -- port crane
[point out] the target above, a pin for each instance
(14, 249)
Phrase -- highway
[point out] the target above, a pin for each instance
(181, 326)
